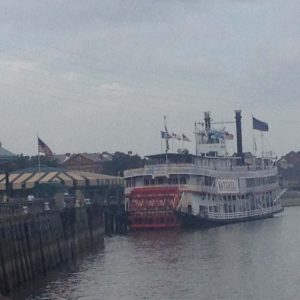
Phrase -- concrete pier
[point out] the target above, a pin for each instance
(33, 244)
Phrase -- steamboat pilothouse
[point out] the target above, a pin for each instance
(209, 187)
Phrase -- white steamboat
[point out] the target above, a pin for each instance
(210, 187)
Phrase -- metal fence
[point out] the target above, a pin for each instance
(16, 208)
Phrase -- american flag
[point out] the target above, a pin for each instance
(43, 148)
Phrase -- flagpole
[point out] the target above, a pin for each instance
(167, 138)
(196, 138)
(254, 151)
(262, 149)
(39, 159)
(39, 163)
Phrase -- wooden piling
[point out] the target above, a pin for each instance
(33, 244)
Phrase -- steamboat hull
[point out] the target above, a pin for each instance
(189, 220)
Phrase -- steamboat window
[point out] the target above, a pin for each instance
(251, 182)
(209, 181)
(161, 180)
(199, 180)
(183, 179)
(173, 179)
(147, 181)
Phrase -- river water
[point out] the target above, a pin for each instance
(254, 260)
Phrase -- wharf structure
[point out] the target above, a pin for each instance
(52, 216)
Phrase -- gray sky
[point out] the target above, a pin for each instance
(100, 75)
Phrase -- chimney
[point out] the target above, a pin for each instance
(239, 139)
(207, 119)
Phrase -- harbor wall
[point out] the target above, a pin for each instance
(33, 244)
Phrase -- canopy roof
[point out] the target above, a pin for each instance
(28, 178)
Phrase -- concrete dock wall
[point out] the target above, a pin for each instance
(33, 244)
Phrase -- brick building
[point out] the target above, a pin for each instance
(88, 162)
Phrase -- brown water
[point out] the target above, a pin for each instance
(254, 260)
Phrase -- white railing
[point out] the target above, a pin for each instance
(233, 215)
(190, 169)
(260, 188)
(246, 214)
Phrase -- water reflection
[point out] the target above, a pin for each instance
(255, 260)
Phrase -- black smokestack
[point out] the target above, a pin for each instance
(239, 138)
(207, 119)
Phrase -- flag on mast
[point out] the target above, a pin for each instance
(167, 135)
(228, 136)
(176, 136)
(185, 138)
(43, 148)
(259, 125)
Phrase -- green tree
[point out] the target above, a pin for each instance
(120, 162)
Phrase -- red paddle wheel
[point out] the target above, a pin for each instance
(153, 207)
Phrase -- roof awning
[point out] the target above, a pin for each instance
(28, 180)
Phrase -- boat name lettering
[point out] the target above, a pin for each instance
(227, 186)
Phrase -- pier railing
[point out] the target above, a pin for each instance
(23, 207)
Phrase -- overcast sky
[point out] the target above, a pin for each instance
(89, 76)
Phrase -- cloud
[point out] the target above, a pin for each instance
(112, 69)
(15, 69)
